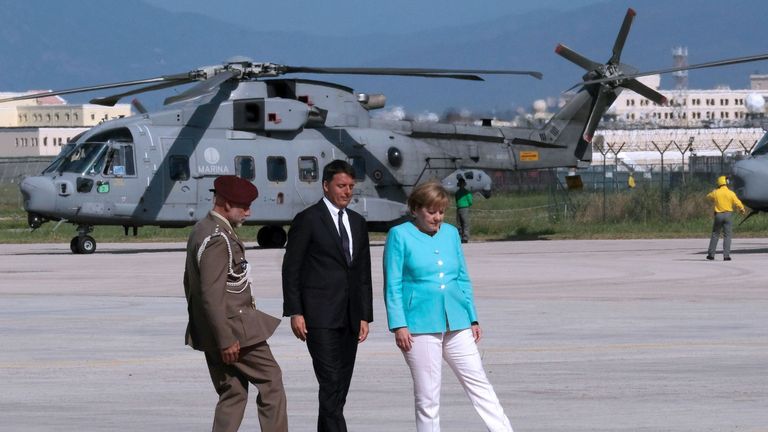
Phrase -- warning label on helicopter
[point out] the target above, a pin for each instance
(529, 156)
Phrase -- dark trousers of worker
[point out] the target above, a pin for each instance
(722, 223)
(333, 354)
(257, 366)
(462, 219)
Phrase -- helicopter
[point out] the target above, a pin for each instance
(246, 118)
(749, 177)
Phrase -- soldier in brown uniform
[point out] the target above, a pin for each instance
(223, 319)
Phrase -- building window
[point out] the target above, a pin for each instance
(277, 169)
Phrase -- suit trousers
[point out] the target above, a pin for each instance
(257, 366)
(459, 350)
(333, 354)
(722, 223)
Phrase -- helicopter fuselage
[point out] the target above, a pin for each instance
(158, 168)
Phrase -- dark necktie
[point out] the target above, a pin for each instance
(344, 238)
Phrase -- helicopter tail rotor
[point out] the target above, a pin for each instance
(601, 80)
(611, 75)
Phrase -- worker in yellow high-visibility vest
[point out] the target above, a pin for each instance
(724, 201)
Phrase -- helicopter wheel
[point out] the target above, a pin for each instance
(271, 236)
(73, 245)
(85, 244)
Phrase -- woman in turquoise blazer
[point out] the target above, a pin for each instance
(431, 310)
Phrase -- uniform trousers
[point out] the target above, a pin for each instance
(462, 217)
(257, 366)
(722, 223)
(459, 350)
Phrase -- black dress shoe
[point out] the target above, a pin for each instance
(727, 259)
(710, 257)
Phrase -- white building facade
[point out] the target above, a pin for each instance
(719, 107)
(40, 127)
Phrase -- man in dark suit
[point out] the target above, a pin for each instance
(327, 289)
(223, 319)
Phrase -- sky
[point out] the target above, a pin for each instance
(350, 17)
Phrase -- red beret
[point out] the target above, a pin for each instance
(235, 189)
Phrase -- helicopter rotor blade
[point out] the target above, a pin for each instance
(421, 72)
(113, 99)
(177, 78)
(621, 38)
(645, 91)
(717, 63)
(576, 58)
(203, 87)
(597, 112)
(139, 106)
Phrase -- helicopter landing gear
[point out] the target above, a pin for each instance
(271, 237)
(83, 243)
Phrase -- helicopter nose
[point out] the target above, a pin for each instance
(748, 179)
(39, 194)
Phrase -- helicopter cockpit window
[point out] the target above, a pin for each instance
(358, 164)
(762, 146)
(120, 161)
(85, 157)
(63, 154)
(245, 167)
(307, 169)
(179, 167)
(277, 169)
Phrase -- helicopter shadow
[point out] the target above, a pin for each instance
(526, 235)
(748, 251)
(107, 252)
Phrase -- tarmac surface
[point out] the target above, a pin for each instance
(623, 335)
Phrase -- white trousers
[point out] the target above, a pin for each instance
(459, 350)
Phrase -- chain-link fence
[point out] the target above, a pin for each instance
(12, 170)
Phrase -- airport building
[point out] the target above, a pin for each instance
(688, 108)
(40, 127)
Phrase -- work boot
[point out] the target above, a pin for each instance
(710, 257)
(726, 258)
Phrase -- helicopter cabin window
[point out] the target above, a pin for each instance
(120, 161)
(245, 167)
(307, 169)
(277, 169)
(358, 163)
(179, 167)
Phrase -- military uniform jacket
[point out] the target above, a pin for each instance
(217, 286)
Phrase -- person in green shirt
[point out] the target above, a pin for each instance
(463, 203)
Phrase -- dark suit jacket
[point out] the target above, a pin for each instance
(317, 281)
(217, 317)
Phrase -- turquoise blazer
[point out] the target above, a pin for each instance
(426, 285)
